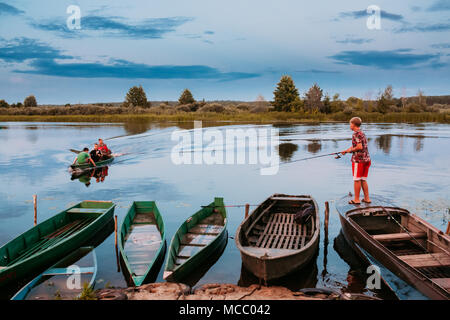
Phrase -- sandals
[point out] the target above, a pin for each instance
(366, 201)
(353, 202)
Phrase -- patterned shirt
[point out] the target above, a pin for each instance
(361, 155)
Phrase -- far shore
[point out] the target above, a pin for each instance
(265, 117)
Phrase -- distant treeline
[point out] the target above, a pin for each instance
(286, 99)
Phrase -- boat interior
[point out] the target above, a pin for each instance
(411, 239)
(272, 226)
(143, 238)
(199, 236)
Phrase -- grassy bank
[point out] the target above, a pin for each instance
(266, 117)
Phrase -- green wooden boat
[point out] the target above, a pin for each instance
(89, 165)
(142, 242)
(56, 282)
(196, 240)
(51, 240)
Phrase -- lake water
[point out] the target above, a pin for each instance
(410, 166)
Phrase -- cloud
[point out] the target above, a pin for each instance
(21, 49)
(440, 5)
(154, 28)
(389, 59)
(316, 71)
(209, 32)
(354, 40)
(363, 13)
(437, 27)
(441, 45)
(129, 70)
(6, 9)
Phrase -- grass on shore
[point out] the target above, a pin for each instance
(266, 117)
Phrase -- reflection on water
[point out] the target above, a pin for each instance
(286, 151)
(96, 174)
(409, 167)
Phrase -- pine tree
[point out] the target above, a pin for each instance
(30, 101)
(286, 95)
(136, 97)
(186, 97)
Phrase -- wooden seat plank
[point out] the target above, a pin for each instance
(86, 210)
(442, 282)
(427, 260)
(399, 236)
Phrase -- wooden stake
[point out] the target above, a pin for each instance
(115, 230)
(448, 229)
(247, 208)
(327, 215)
(35, 208)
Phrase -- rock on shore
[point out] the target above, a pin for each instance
(215, 291)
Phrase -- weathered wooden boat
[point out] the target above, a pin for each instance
(49, 241)
(56, 282)
(408, 246)
(89, 165)
(196, 240)
(271, 243)
(142, 242)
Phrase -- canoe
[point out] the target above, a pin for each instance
(405, 244)
(142, 242)
(271, 243)
(89, 165)
(41, 246)
(54, 282)
(196, 240)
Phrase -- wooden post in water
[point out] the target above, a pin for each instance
(247, 208)
(448, 229)
(115, 230)
(327, 215)
(35, 208)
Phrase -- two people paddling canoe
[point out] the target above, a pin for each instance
(99, 153)
(360, 161)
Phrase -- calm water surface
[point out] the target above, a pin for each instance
(410, 166)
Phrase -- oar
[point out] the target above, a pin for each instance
(74, 151)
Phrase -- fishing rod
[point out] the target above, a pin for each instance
(337, 155)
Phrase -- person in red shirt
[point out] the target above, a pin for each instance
(104, 149)
(360, 161)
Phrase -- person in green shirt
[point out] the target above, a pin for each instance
(84, 157)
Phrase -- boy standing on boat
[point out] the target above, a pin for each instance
(360, 161)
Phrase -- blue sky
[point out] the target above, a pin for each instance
(225, 50)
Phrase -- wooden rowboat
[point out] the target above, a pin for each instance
(89, 164)
(142, 242)
(54, 282)
(36, 249)
(408, 246)
(196, 240)
(271, 243)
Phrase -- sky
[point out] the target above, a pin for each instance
(220, 50)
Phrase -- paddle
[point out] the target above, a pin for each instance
(74, 151)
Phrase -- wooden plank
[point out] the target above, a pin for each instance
(442, 282)
(286, 242)
(280, 242)
(269, 242)
(206, 229)
(291, 242)
(399, 236)
(259, 217)
(274, 244)
(86, 210)
(427, 260)
(297, 240)
(291, 198)
(303, 241)
(191, 239)
(263, 244)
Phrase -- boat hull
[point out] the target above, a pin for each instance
(39, 262)
(354, 234)
(89, 165)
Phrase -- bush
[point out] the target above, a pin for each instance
(136, 97)
(348, 110)
(243, 107)
(30, 101)
(259, 109)
(183, 108)
(4, 104)
(213, 107)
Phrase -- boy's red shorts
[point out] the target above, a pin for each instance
(360, 170)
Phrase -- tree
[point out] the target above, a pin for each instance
(326, 105)
(3, 104)
(385, 99)
(30, 101)
(186, 97)
(136, 97)
(336, 104)
(313, 98)
(286, 94)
